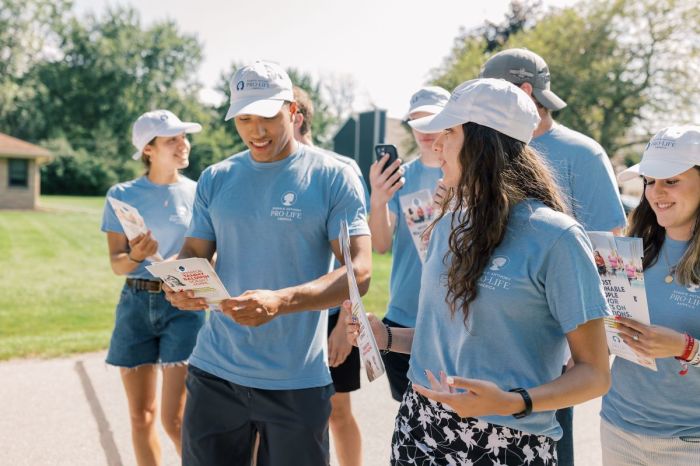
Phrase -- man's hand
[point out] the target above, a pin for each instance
(184, 300)
(253, 308)
(385, 183)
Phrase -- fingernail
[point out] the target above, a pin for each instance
(450, 381)
(617, 317)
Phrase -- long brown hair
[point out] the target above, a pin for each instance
(643, 224)
(497, 172)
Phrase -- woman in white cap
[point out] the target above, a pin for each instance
(398, 196)
(509, 280)
(149, 332)
(653, 417)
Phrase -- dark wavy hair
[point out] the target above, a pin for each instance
(643, 224)
(497, 172)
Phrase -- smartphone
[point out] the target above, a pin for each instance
(381, 149)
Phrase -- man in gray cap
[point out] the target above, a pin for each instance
(580, 165)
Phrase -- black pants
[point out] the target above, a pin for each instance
(222, 419)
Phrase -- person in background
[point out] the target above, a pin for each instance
(343, 358)
(148, 332)
(401, 195)
(652, 417)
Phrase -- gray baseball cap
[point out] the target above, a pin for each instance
(523, 66)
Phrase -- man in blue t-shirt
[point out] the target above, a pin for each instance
(402, 207)
(272, 215)
(580, 165)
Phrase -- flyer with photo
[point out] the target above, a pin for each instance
(419, 211)
(131, 221)
(369, 352)
(193, 274)
(619, 264)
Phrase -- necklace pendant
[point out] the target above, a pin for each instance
(668, 278)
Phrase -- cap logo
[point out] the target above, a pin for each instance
(661, 144)
(164, 117)
(240, 86)
(254, 84)
(522, 73)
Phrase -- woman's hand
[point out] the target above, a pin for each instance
(480, 398)
(143, 246)
(651, 341)
(353, 328)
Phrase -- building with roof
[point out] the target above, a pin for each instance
(20, 181)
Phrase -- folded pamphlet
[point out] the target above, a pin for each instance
(131, 221)
(193, 274)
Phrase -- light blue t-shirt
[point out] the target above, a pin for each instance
(272, 224)
(166, 209)
(541, 283)
(356, 168)
(406, 265)
(585, 175)
(662, 403)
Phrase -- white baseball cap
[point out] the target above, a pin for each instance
(158, 123)
(431, 99)
(670, 152)
(259, 89)
(495, 103)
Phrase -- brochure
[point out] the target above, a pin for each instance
(419, 211)
(195, 274)
(369, 352)
(131, 221)
(619, 263)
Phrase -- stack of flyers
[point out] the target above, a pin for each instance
(619, 263)
(131, 221)
(193, 274)
(365, 340)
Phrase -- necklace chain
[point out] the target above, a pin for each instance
(671, 268)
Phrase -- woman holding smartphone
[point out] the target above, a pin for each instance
(508, 283)
(149, 333)
(653, 417)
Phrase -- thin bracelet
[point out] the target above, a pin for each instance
(128, 254)
(388, 340)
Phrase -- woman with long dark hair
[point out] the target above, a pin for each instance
(652, 417)
(509, 281)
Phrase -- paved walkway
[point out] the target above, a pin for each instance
(73, 412)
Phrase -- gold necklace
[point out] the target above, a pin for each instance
(671, 269)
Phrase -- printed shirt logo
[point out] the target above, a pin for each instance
(693, 288)
(498, 263)
(289, 198)
(286, 212)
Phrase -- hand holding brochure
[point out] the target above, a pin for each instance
(131, 221)
(365, 341)
(193, 274)
(619, 263)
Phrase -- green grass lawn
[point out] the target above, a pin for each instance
(59, 290)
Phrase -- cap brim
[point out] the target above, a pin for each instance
(434, 109)
(436, 123)
(265, 108)
(182, 127)
(548, 99)
(657, 169)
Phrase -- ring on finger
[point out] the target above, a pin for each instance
(635, 337)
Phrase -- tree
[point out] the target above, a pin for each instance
(625, 67)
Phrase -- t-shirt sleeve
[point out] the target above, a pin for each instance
(110, 222)
(597, 199)
(572, 284)
(347, 202)
(201, 225)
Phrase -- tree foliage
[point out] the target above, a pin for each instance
(625, 67)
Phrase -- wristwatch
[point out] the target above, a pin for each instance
(528, 403)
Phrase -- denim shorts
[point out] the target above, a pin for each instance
(149, 330)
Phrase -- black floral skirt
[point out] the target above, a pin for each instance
(425, 433)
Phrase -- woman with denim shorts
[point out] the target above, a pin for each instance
(653, 417)
(148, 331)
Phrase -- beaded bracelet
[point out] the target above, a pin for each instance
(388, 340)
(686, 359)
